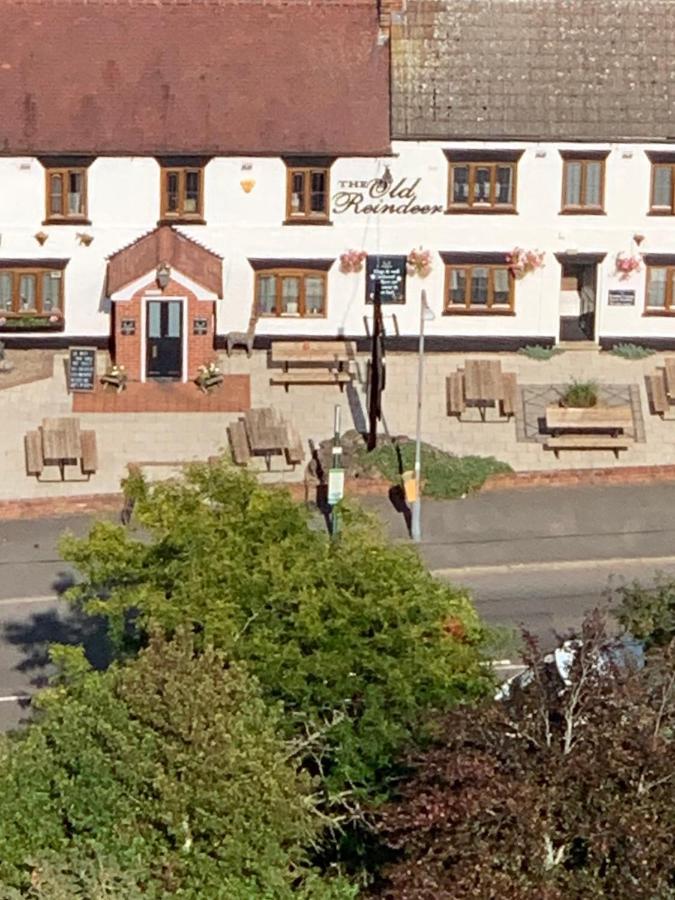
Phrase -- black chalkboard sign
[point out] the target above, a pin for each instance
(390, 271)
(81, 368)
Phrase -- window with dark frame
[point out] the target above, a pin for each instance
(182, 193)
(660, 295)
(662, 199)
(66, 194)
(478, 288)
(479, 186)
(583, 184)
(307, 193)
(31, 292)
(291, 292)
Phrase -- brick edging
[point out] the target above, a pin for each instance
(51, 507)
(571, 477)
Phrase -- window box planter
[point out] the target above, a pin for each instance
(13, 323)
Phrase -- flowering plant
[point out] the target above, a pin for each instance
(116, 371)
(352, 261)
(3, 321)
(626, 265)
(55, 317)
(521, 262)
(419, 262)
(206, 372)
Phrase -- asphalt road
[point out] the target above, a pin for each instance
(539, 558)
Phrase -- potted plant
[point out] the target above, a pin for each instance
(352, 261)
(522, 262)
(115, 377)
(419, 262)
(208, 377)
(580, 394)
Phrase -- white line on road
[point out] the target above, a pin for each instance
(14, 698)
(19, 601)
(555, 566)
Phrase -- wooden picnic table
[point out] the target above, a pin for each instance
(483, 381)
(612, 419)
(289, 352)
(266, 432)
(669, 363)
(61, 442)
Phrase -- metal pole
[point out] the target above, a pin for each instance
(415, 519)
(375, 387)
(336, 463)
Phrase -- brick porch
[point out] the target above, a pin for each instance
(233, 395)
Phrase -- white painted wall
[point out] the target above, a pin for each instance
(123, 198)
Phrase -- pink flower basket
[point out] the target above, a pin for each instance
(522, 262)
(352, 261)
(419, 262)
(626, 265)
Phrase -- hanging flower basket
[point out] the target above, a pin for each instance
(626, 265)
(419, 262)
(522, 262)
(352, 261)
(208, 377)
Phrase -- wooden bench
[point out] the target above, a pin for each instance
(241, 452)
(314, 362)
(294, 451)
(89, 458)
(656, 388)
(510, 396)
(312, 376)
(588, 442)
(33, 447)
(454, 387)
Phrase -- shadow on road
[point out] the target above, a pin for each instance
(33, 636)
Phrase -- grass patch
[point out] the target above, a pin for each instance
(445, 476)
(631, 351)
(536, 351)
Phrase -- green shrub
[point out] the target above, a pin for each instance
(445, 477)
(536, 351)
(581, 394)
(631, 351)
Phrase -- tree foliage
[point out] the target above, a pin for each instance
(648, 612)
(165, 775)
(355, 638)
(565, 789)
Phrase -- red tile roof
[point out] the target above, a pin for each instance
(165, 244)
(192, 77)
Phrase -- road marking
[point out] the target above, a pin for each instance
(554, 566)
(14, 698)
(20, 601)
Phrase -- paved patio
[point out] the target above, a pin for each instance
(171, 437)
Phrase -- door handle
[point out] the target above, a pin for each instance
(154, 351)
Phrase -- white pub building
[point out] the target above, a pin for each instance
(172, 174)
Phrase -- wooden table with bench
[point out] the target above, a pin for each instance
(60, 442)
(312, 362)
(661, 387)
(481, 383)
(262, 432)
(592, 428)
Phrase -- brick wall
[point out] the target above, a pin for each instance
(128, 349)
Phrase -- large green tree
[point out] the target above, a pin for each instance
(354, 637)
(566, 789)
(164, 775)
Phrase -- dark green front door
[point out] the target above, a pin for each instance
(165, 339)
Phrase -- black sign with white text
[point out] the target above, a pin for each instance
(390, 271)
(81, 368)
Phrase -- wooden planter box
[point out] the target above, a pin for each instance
(207, 384)
(114, 381)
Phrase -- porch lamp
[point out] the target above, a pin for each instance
(426, 315)
(163, 274)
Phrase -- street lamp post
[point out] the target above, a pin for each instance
(426, 315)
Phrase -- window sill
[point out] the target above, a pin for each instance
(293, 316)
(16, 323)
(67, 220)
(481, 211)
(307, 221)
(479, 312)
(581, 211)
(659, 312)
(182, 220)
(661, 212)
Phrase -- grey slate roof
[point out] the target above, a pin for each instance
(550, 69)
